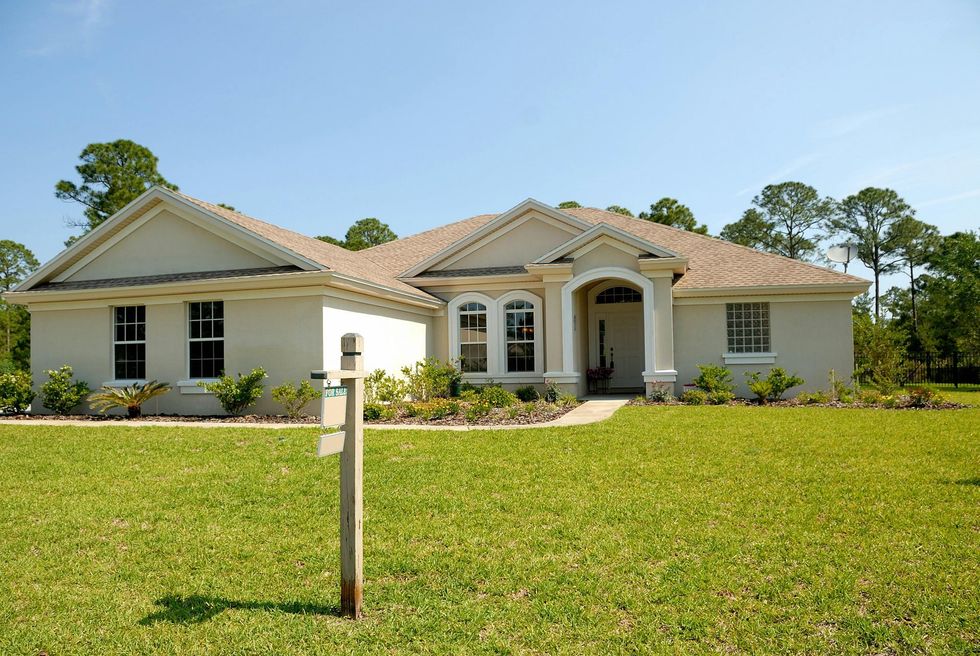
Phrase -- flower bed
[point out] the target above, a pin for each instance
(460, 413)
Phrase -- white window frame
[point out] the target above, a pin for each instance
(497, 336)
(487, 313)
(454, 337)
(190, 385)
(535, 301)
(124, 382)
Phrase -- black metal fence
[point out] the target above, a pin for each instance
(943, 370)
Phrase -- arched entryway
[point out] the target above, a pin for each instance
(615, 324)
(627, 330)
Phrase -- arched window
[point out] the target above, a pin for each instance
(473, 337)
(519, 335)
(618, 295)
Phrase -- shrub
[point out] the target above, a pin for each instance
(378, 412)
(720, 397)
(436, 409)
(552, 391)
(527, 393)
(430, 378)
(566, 400)
(294, 398)
(774, 385)
(497, 397)
(469, 395)
(923, 397)
(237, 395)
(661, 395)
(813, 398)
(381, 387)
(694, 397)
(714, 378)
(16, 391)
(131, 397)
(60, 394)
(870, 397)
(839, 391)
(478, 411)
(889, 402)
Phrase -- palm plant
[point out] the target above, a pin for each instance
(131, 397)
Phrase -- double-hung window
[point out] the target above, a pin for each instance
(473, 337)
(519, 326)
(129, 342)
(206, 332)
(748, 327)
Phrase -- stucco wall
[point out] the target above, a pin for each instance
(392, 338)
(167, 243)
(518, 246)
(810, 337)
(280, 334)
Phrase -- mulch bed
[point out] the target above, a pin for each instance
(496, 417)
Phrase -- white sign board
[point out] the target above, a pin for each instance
(330, 444)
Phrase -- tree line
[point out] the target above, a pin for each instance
(938, 310)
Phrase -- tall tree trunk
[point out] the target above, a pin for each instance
(915, 318)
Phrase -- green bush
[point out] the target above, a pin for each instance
(430, 378)
(378, 412)
(870, 397)
(714, 378)
(294, 398)
(16, 391)
(661, 395)
(60, 393)
(478, 411)
(720, 397)
(774, 385)
(131, 397)
(552, 391)
(527, 393)
(381, 387)
(566, 400)
(813, 398)
(434, 409)
(694, 396)
(235, 396)
(469, 395)
(923, 397)
(497, 397)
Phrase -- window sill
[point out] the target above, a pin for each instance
(191, 386)
(749, 358)
(116, 384)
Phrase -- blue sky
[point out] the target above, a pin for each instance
(313, 114)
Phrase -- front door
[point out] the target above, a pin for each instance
(619, 346)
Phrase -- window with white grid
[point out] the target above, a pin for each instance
(473, 337)
(519, 324)
(206, 332)
(129, 342)
(748, 327)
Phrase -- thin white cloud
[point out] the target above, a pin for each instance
(781, 175)
(70, 25)
(973, 193)
(841, 126)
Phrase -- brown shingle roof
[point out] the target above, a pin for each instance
(334, 258)
(712, 262)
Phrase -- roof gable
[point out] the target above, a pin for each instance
(603, 233)
(495, 229)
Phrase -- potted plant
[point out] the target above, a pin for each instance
(598, 378)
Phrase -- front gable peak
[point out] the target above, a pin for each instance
(604, 233)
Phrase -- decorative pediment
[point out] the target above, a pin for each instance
(603, 234)
(159, 234)
(513, 238)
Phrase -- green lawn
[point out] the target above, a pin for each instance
(664, 529)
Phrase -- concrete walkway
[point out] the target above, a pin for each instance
(592, 410)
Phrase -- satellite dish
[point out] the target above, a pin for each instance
(842, 254)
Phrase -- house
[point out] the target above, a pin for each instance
(177, 289)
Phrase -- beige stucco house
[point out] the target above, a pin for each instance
(177, 289)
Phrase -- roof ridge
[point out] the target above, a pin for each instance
(782, 258)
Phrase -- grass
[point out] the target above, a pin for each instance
(661, 530)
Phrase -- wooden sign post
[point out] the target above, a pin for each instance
(349, 442)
